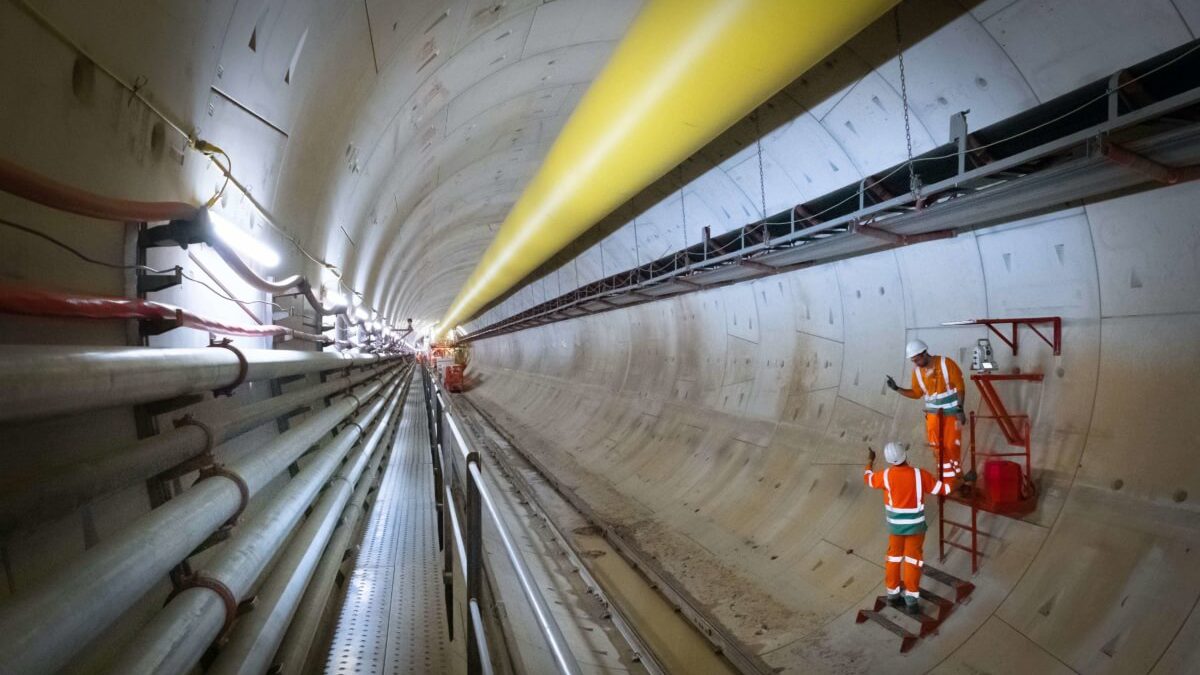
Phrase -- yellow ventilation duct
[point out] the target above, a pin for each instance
(685, 72)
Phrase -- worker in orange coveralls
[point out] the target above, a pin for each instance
(904, 489)
(939, 381)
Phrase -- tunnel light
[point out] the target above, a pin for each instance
(242, 241)
(332, 297)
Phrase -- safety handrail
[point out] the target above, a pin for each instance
(469, 543)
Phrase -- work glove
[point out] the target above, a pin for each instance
(892, 384)
(870, 456)
(962, 418)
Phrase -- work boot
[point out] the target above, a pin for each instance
(911, 607)
(970, 476)
(894, 600)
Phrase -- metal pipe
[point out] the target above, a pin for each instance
(28, 499)
(239, 266)
(256, 636)
(45, 625)
(485, 657)
(40, 381)
(224, 289)
(558, 644)
(293, 651)
(175, 639)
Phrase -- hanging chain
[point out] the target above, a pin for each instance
(762, 181)
(914, 183)
(682, 206)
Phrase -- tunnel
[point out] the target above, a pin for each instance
(583, 336)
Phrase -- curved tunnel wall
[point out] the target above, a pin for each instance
(724, 433)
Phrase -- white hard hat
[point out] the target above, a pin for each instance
(915, 347)
(894, 453)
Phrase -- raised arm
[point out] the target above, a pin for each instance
(870, 478)
(913, 392)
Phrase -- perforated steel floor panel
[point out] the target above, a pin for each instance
(393, 620)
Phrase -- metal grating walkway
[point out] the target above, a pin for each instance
(393, 620)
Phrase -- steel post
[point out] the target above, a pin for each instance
(474, 561)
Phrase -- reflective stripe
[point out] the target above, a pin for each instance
(893, 591)
(887, 487)
(895, 558)
(941, 401)
(920, 495)
(937, 487)
(915, 521)
(868, 473)
(914, 561)
(893, 509)
(913, 594)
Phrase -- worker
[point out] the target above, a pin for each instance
(904, 489)
(939, 380)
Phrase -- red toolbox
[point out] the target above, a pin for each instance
(454, 378)
(1002, 481)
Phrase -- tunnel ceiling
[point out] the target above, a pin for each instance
(391, 138)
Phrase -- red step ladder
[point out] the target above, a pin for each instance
(893, 620)
(1017, 431)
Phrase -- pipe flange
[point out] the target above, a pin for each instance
(243, 367)
(361, 431)
(202, 580)
(213, 470)
(189, 421)
(357, 402)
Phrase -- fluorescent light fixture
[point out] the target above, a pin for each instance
(242, 241)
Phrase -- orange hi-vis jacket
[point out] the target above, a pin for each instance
(939, 385)
(904, 493)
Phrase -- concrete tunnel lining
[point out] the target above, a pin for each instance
(732, 454)
(396, 168)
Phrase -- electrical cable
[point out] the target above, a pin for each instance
(145, 268)
(223, 296)
(78, 254)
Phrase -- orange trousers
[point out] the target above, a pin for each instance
(945, 437)
(907, 551)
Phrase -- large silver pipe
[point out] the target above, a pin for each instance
(40, 381)
(45, 625)
(297, 643)
(256, 636)
(30, 499)
(175, 639)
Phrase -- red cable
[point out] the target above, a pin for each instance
(41, 302)
(35, 187)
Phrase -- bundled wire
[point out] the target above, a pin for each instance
(45, 303)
